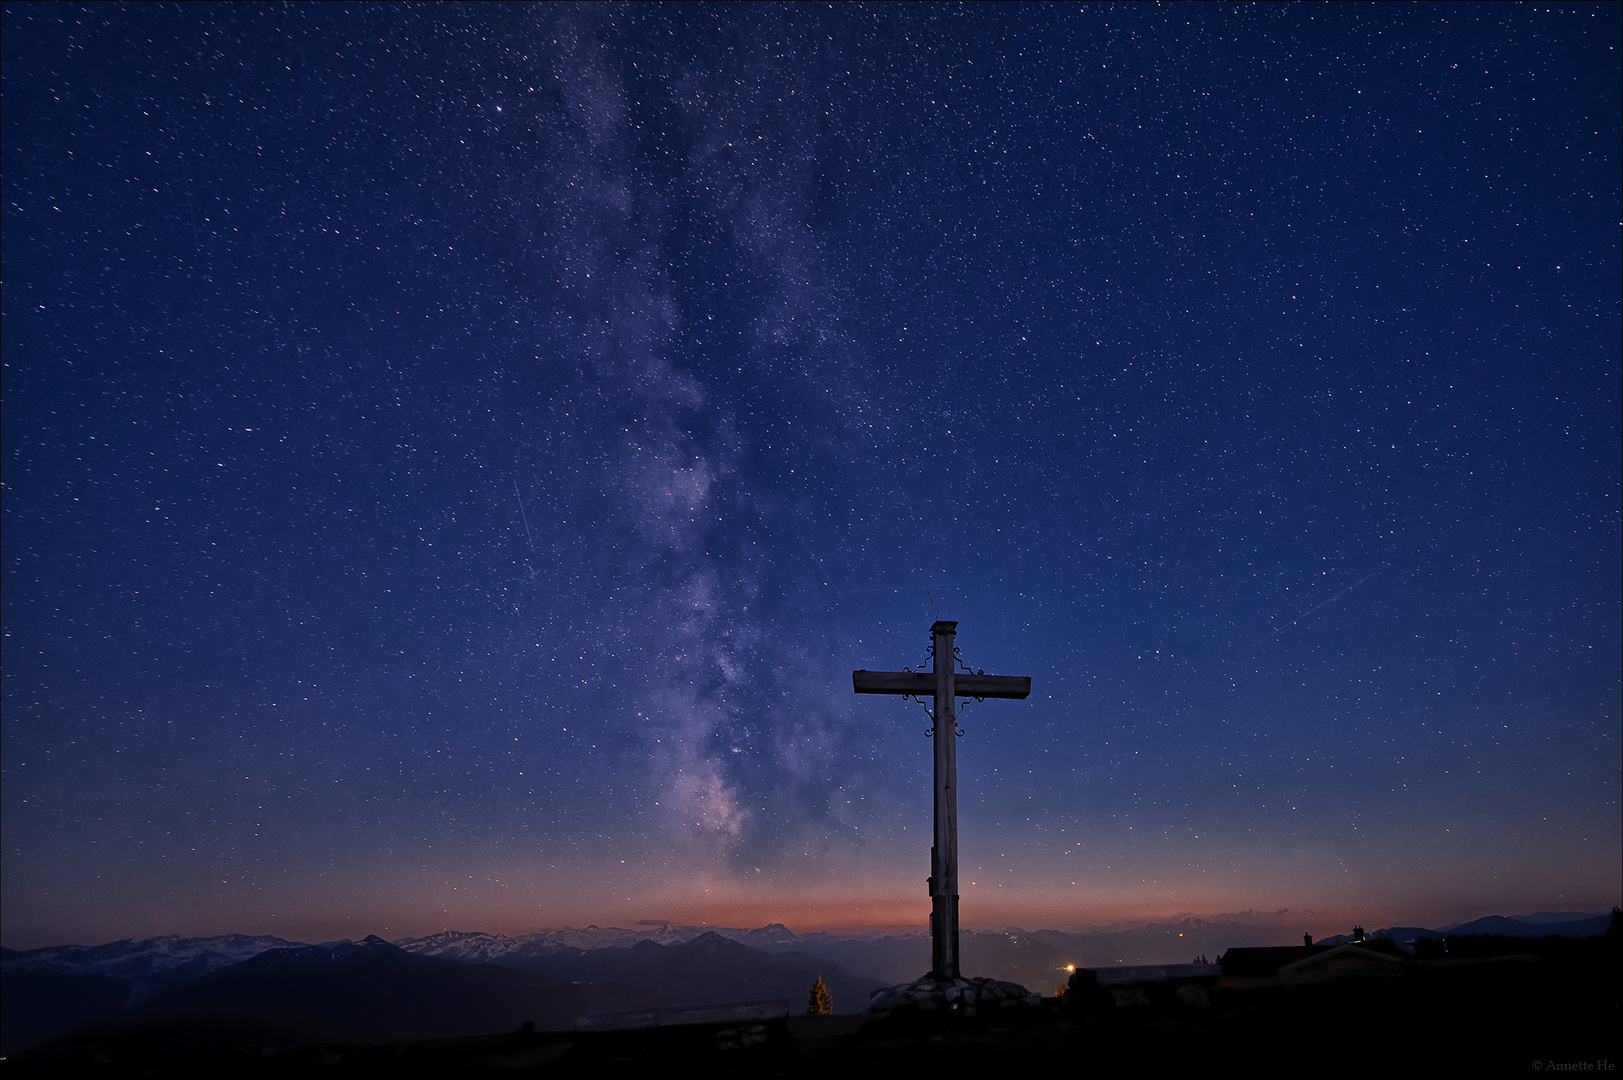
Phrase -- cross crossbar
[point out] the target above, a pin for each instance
(922, 684)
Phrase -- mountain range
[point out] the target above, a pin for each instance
(264, 990)
(206, 991)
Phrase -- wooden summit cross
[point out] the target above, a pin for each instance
(946, 685)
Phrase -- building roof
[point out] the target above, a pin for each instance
(1343, 956)
(1263, 961)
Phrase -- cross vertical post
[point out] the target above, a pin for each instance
(944, 853)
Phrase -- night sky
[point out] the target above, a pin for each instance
(454, 457)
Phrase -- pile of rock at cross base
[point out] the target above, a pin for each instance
(946, 998)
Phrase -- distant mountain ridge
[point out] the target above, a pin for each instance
(373, 990)
(194, 957)
(365, 991)
(1566, 924)
(134, 959)
(459, 982)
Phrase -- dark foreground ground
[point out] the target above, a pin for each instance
(1500, 1017)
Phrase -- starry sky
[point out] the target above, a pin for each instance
(454, 457)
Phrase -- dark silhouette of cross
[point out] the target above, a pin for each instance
(945, 685)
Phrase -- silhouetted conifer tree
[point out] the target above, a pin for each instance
(821, 1003)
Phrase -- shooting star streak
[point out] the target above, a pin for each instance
(523, 518)
(819, 563)
(1311, 610)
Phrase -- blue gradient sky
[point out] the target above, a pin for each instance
(454, 457)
